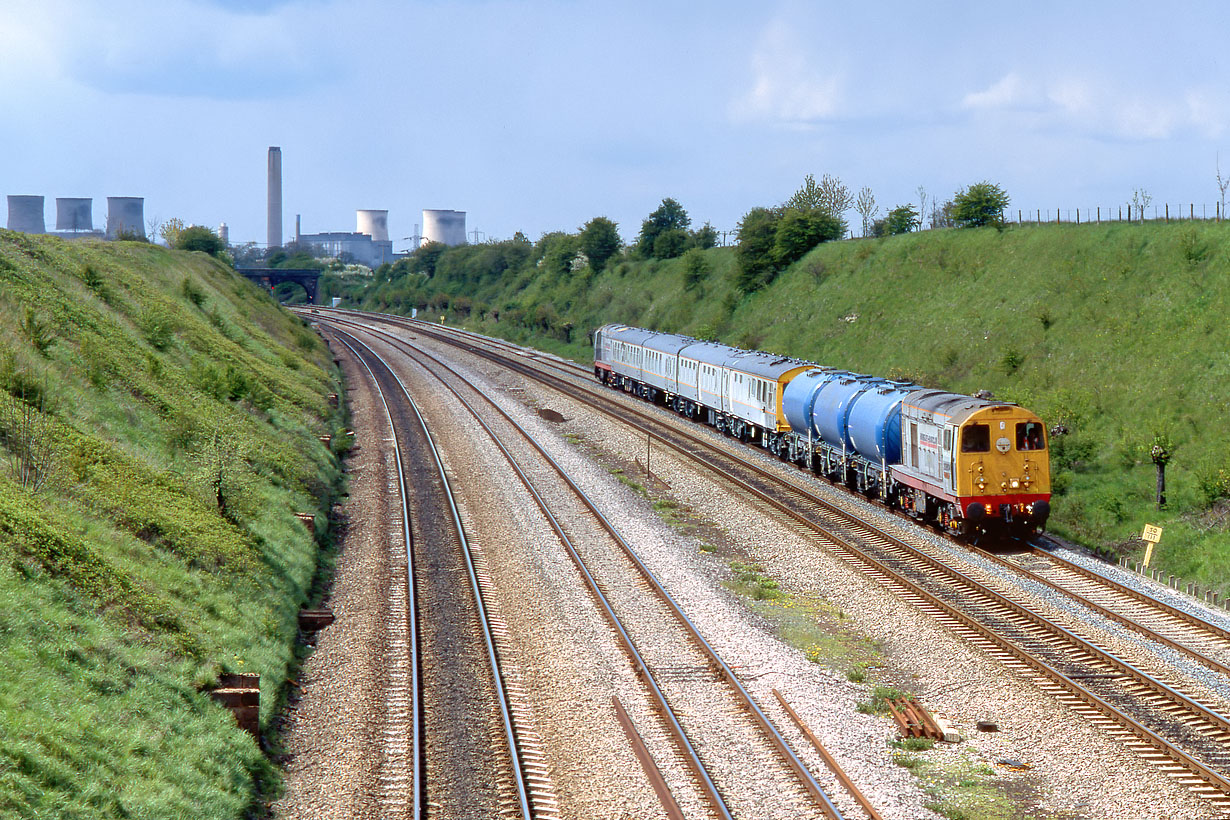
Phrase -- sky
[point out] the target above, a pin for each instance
(537, 116)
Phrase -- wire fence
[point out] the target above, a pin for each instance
(1165, 212)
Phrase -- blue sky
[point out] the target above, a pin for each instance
(538, 116)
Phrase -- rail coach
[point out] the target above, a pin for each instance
(967, 464)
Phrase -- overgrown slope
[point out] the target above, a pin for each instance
(1116, 331)
(177, 411)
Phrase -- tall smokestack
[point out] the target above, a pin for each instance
(275, 197)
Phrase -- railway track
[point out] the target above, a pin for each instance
(449, 760)
(1153, 716)
(684, 670)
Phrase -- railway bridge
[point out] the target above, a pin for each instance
(268, 278)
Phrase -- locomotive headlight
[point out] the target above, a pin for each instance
(1003, 485)
(979, 468)
(1015, 484)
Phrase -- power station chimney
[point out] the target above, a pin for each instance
(275, 197)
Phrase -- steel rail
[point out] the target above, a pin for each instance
(1136, 626)
(724, 670)
(1216, 779)
(488, 640)
(1143, 597)
(418, 779)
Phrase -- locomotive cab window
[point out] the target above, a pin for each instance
(976, 438)
(1029, 436)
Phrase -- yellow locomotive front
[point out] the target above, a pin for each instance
(1001, 467)
(973, 464)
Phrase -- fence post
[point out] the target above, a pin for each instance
(1038, 217)
(1078, 216)
(1099, 214)
(1058, 218)
(1168, 213)
(1018, 216)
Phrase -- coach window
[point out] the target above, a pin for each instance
(976, 438)
(1029, 436)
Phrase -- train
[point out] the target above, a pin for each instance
(966, 464)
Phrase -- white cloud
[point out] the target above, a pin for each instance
(787, 86)
(1102, 109)
(176, 48)
(1011, 91)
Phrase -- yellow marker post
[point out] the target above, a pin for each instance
(1152, 535)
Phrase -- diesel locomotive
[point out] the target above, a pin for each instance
(966, 464)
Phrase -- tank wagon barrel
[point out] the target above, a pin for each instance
(964, 463)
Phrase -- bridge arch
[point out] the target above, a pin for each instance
(268, 278)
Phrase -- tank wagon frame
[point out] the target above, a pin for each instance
(963, 463)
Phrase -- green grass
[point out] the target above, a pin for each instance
(961, 788)
(1115, 330)
(125, 587)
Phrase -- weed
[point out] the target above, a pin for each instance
(751, 580)
(880, 696)
(192, 293)
(40, 332)
(913, 744)
(1011, 361)
(707, 547)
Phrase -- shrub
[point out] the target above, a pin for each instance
(695, 267)
(798, 231)
(980, 204)
(757, 234)
(199, 238)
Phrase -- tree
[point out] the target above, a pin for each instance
(426, 258)
(670, 215)
(899, 220)
(27, 430)
(695, 267)
(866, 207)
(1222, 184)
(757, 233)
(600, 241)
(199, 238)
(798, 231)
(704, 237)
(1140, 201)
(829, 193)
(670, 243)
(922, 204)
(170, 230)
(980, 204)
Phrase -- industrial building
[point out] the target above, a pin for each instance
(444, 226)
(75, 216)
(368, 245)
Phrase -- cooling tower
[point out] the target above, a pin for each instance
(26, 214)
(125, 213)
(444, 226)
(275, 197)
(74, 213)
(375, 224)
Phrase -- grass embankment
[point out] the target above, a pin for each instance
(179, 410)
(1115, 331)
